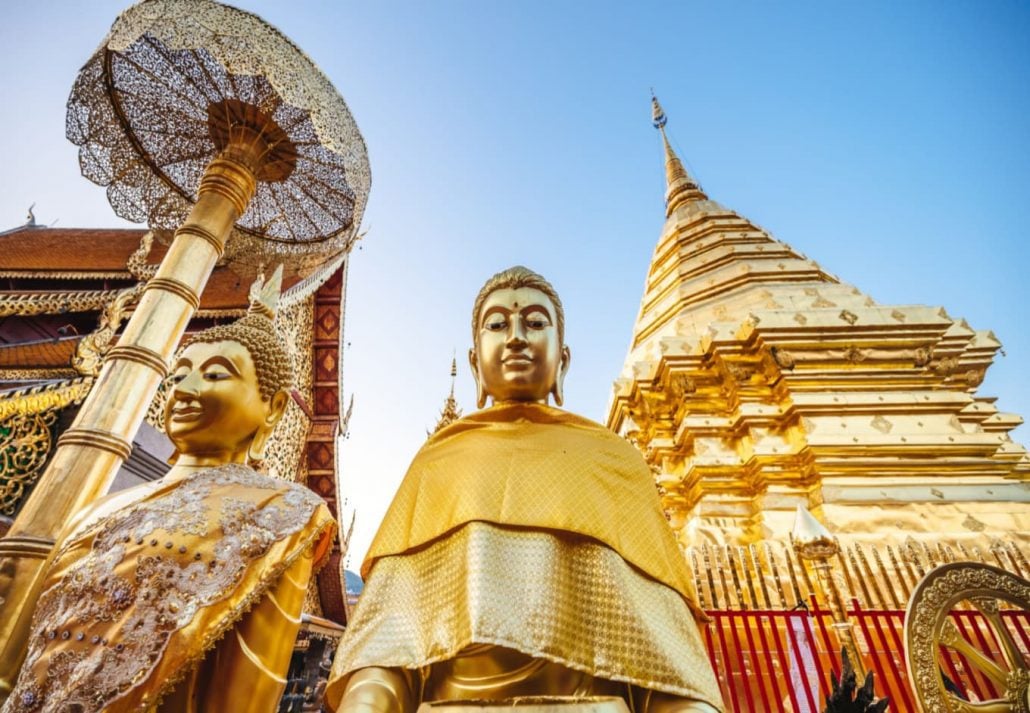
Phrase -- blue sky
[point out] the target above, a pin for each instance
(888, 141)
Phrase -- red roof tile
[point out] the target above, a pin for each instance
(85, 250)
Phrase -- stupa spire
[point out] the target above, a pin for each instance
(450, 411)
(680, 185)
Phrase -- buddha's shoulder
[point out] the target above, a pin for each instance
(235, 475)
(292, 489)
(520, 413)
(535, 419)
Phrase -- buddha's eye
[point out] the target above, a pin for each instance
(495, 325)
(177, 377)
(216, 375)
(536, 323)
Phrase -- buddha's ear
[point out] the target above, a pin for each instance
(276, 409)
(559, 382)
(474, 368)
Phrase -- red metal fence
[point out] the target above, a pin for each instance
(775, 660)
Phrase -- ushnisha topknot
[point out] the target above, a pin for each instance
(256, 332)
(514, 278)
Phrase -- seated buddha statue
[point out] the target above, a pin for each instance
(185, 594)
(525, 552)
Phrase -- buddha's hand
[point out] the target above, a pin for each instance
(377, 690)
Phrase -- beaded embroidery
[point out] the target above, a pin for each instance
(103, 626)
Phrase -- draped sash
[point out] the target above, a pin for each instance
(133, 602)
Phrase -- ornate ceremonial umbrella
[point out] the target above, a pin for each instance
(175, 84)
(200, 117)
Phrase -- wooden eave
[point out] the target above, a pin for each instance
(34, 252)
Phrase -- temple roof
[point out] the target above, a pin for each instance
(88, 250)
(39, 355)
(36, 252)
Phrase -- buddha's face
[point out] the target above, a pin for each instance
(518, 354)
(215, 407)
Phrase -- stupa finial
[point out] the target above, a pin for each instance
(680, 185)
(658, 117)
(450, 411)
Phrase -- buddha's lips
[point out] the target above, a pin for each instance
(517, 359)
(186, 413)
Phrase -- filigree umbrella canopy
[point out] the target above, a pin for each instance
(174, 82)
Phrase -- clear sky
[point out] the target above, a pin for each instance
(890, 141)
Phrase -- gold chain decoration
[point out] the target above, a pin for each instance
(40, 399)
(27, 305)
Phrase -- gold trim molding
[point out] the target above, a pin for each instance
(95, 438)
(41, 399)
(180, 289)
(140, 355)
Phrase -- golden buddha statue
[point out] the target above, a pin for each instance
(185, 594)
(525, 552)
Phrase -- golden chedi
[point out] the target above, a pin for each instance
(185, 594)
(757, 381)
(525, 553)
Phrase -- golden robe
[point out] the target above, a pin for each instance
(139, 601)
(533, 529)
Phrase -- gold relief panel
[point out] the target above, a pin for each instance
(25, 444)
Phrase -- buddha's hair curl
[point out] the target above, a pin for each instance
(257, 334)
(513, 278)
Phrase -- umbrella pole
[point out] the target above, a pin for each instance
(90, 452)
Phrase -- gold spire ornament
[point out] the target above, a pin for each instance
(450, 411)
(681, 186)
(204, 118)
(814, 544)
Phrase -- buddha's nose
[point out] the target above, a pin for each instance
(517, 333)
(189, 386)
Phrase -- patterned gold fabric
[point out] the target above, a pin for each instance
(134, 601)
(533, 529)
(562, 598)
(530, 465)
(246, 671)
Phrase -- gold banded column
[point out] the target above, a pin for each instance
(90, 452)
